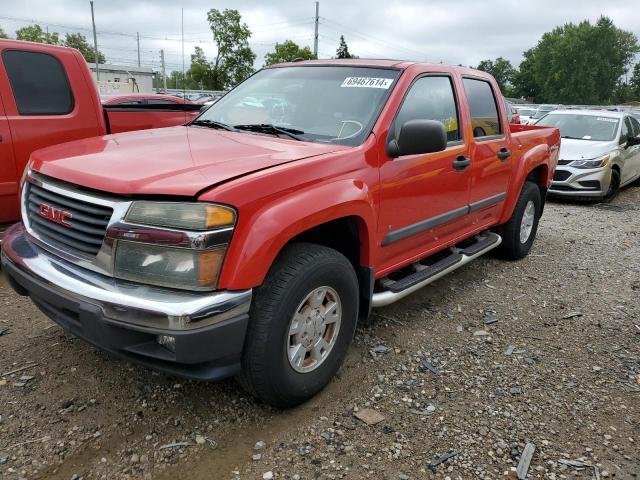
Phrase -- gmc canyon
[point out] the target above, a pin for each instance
(250, 242)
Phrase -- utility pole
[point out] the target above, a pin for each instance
(315, 37)
(183, 84)
(138, 39)
(164, 74)
(95, 43)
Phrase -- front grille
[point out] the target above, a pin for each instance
(561, 175)
(87, 224)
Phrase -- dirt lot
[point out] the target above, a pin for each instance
(560, 368)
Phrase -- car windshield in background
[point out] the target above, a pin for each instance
(582, 127)
(318, 103)
(541, 113)
(526, 112)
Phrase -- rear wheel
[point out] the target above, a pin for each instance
(519, 233)
(614, 186)
(302, 321)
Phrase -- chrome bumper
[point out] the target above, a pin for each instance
(128, 302)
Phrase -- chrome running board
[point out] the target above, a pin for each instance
(424, 275)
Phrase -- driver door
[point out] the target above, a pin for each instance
(425, 196)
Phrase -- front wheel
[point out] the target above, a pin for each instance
(302, 321)
(614, 186)
(520, 231)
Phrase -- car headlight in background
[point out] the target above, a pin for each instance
(182, 267)
(593, 163)
(188, 216)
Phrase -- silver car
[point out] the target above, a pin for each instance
(599, 152)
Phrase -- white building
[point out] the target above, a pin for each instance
(123, 79)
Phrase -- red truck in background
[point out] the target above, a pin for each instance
(250, 242)
(48, 96)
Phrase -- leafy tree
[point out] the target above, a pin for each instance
(35, 33)
(79, 42)
(2, 34)
(634, 82)
(234, 60)
(287, 52)
(580, 64)
(343, 49)
(501, 69)
(200, 70)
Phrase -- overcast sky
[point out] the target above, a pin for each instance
(452, 31)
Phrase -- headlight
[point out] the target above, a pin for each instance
(594, 163)
(182, 268)
(188, 216)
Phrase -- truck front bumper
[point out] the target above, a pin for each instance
(188, 334)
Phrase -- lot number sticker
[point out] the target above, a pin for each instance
(607, 119)
(367, 82)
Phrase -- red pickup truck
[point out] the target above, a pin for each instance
(47, 96)
(251, 242)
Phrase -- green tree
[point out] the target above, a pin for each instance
(2, 34)
(79, 42)
(200, 70)
(343, 49)
(234, 59)
(501, 69)
(634, 82)
(580, 64)
(35, 33)
(288, 52)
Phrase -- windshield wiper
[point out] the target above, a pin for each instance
(272, 129)
(572, 138)
(213, 124)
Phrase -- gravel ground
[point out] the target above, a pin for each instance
(496, 356)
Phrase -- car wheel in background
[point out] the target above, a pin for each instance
(614, 186)
(302, 321)
(519, 233)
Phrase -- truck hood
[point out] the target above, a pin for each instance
(169, 161)
(571, 149)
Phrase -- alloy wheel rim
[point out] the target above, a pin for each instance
(314, 329)
(528, 218)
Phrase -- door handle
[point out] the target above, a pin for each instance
(503, 154)
(461, 163)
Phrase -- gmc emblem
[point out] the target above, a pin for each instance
(54, 215)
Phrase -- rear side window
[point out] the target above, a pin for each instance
(431, 98)
(39, 83)
(483, 108)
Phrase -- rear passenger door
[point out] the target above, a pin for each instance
(492, 161)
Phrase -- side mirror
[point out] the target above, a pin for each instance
(631, 141)
(418, 136)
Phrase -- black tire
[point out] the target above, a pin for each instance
(512, 247)
(266, 369)
(614, 186)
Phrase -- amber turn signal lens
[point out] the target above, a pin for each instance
(219, 216)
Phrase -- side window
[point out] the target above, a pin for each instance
(39, 83)
(483, 107)
(626, 131)
(431, 98)
(636, 126)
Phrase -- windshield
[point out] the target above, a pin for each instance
(328, 104)
(582, 127)
(525, 112)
